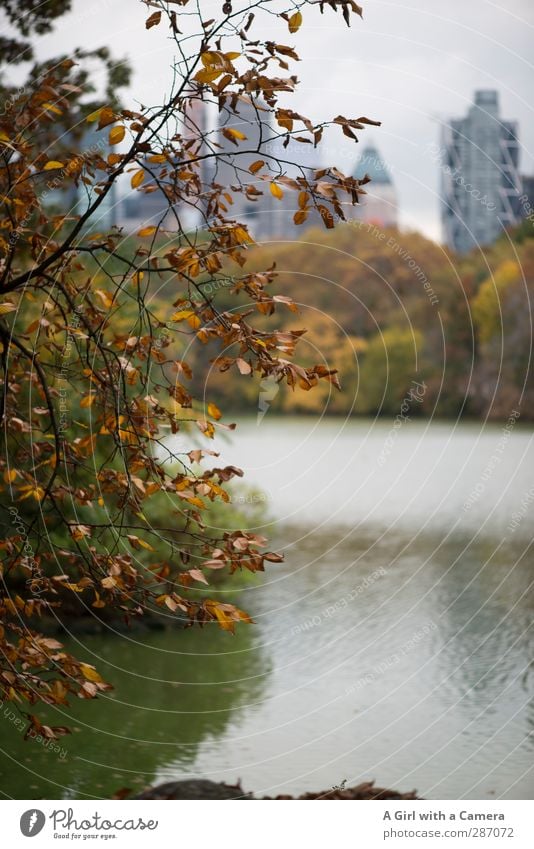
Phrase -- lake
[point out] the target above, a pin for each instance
(394, 643)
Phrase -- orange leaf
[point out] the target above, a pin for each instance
(214, 411)
(276, 191)
(137, 179)
(117, 134)
(300, 216)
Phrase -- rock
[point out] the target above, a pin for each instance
(194, 789)
(204, 789)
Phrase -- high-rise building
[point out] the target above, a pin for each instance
(526, 201)
(379, 204)
(250, 200)
(481, 184)
(153, 204)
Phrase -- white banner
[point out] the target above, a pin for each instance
(315, 825)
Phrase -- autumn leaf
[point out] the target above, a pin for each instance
(93, 116)
(276, 191)
(243, 366)
(137, 179)
(31, 490)
(105, 297)
(117, 134)
(214, 411)
(294, 22)
(138, 543)
(90, 673)
(181, 315)
(52, 165)
(106, 116)
(7, 307)
(197, 575)
(208, 75)
(256, 166)
(147, 231)
(233, 135)
(153, 20)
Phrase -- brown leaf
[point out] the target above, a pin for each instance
(153, 20)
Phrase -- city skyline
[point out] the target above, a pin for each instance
(412, 68)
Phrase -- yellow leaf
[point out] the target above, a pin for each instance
(7, 307)
(117, 134)
(9, 476)
(237, 134)
(51, 107)
(137, 179)
(210, 58)
(52, 165)
(181, 315)
(242, 236)
(295, 22)
(276, 191)
(94, 116)
(147, 231)
(194, 321)
(37, 492)
(214, 411)
(88, 400)
(208, 75)
(232, 55)
(90, 673)
(114, 158)
(105, 297)
(194, 499)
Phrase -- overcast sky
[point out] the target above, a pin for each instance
(410, 64)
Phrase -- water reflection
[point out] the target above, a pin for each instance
(394, 644)
(174, 690)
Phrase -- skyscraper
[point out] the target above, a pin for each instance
(379, 204)
(249, 199)
(481, 184)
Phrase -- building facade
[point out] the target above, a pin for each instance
(481, 184)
